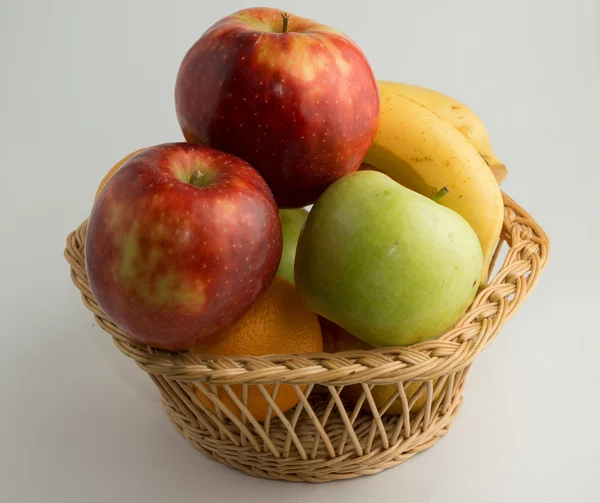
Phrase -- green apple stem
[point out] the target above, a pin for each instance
(440, 193)
(286, 18)
(198, 179)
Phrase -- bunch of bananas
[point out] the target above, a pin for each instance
(427, 141)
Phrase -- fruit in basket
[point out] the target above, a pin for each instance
(336, 339)
(423, 152)
(291, 225)
(457, 114)
(295, 98)
(114, 169)
(389, 265)
(277, 323)
(180, 243)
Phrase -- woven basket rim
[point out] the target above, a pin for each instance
(451, 352)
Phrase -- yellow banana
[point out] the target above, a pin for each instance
(425, 153)
(457, 114)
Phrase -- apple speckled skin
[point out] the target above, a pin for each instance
(302, 107)
(173, 263)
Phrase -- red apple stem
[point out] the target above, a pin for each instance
(440, 193)
(197, 179)
(286, 19)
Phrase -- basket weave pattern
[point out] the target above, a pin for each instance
(324, 437)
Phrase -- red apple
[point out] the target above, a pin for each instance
(299, 103)
(180, 243)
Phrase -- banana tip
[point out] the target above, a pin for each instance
(499, 171)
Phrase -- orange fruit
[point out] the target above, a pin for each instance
(114, 169)
(336, 339)
(277, 323)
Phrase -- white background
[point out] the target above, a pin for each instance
(84, 83)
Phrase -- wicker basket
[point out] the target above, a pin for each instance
(325, 438)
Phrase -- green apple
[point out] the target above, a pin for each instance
(291, 225)
(389, 265)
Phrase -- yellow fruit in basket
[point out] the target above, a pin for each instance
(459, 115)
(336, 339)
(423, 152)
(114, 169)
(276, 323)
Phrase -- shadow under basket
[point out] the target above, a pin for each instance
(325, 437)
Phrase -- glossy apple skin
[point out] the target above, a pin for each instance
(291, 225)
(301, 107)
(172, 263)
(389, 265)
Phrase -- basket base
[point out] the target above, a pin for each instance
(323, 468)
